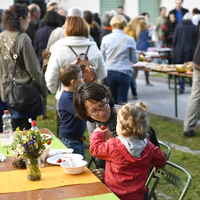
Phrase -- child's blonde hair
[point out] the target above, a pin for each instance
(134, 120)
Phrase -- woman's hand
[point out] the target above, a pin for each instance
(99, 173)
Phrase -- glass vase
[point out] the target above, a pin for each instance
(33, 169)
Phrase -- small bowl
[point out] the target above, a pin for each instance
(77, 166)
(181, 68)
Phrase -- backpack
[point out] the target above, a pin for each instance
(88, 72)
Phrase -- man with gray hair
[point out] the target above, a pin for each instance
(107, 29)
(74, 11)
(35, 13)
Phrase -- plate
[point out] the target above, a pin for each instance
(53, 159)
(54, 152)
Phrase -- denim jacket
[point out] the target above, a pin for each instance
(121, 60)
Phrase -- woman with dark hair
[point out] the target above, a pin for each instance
(196, 16)
(94, 103)
(168, 30)
(15, 21)
(94, 26)
(52, 21)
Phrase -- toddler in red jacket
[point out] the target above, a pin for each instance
(129, 155)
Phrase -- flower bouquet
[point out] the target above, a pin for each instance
(31, 145)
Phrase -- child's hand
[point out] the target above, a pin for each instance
(155, 169)
(107, 134)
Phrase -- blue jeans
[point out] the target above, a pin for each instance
(119, 84)
(182, 83)
(77, 145)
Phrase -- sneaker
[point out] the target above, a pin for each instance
(189, 133)
(149, 84)
(135, 97)
(181, 91)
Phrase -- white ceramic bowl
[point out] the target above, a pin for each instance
(77, 166)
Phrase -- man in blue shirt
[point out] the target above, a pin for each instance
(179, 11)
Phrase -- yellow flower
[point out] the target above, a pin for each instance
(17, 129)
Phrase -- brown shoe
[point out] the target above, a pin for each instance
(43, 117)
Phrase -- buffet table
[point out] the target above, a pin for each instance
(175, 75)
(54, 184)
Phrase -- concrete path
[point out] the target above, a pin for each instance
(160, 98)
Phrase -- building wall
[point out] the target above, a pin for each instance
(131, 8)
(6, 4)
(93, 6)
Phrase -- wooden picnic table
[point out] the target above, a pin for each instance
(175, 75)
(64, 192)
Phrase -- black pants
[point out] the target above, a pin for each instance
(21, 123)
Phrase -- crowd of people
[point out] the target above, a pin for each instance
(110, 45)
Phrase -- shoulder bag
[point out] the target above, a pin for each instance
(112, 56)
(46, 54)
(88, 72)
(24, 98)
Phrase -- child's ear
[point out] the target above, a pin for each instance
(72, 82)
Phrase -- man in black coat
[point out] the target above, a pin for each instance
(184, 44)
(179, 11)
(192, 114)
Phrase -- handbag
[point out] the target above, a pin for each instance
(24, 98)
(88, 72)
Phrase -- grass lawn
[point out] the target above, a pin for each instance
(165, 131)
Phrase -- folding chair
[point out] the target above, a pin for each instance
(167, 149)
(171, 178)
(92, 159)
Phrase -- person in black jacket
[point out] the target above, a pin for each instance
(179, 11)
(184, 44)
(192, 113)
(168, 30)
(94, 26)
(52, 21)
